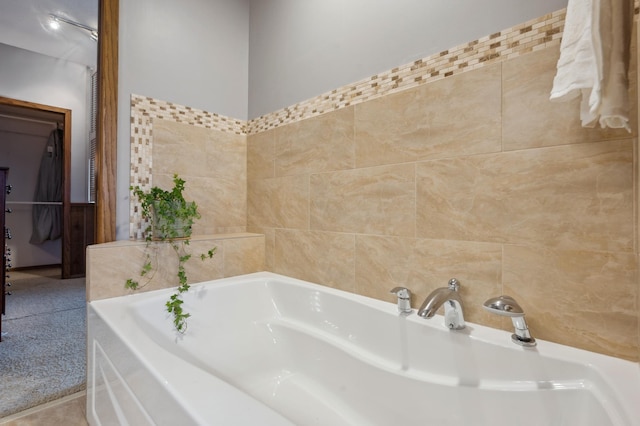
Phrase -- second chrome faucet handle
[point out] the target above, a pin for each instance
(404, 299)
(507, 306)
(454, 284)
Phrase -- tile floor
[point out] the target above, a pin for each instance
(68, 411)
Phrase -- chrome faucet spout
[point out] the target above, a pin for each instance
(435, 300)
(450, 299)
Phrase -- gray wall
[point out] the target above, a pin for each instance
(33, 77)
(190, 52)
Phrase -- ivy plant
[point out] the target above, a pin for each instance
(172, 218)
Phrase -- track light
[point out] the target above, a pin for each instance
(54, 23)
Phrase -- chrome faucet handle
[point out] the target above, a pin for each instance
(507, 306)
(404, 299)
(453, 315)
(454, 284)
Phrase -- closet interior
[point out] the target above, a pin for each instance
(31, 146)
(46, 228)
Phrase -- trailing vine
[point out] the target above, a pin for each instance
(172, 218)
(174, 304)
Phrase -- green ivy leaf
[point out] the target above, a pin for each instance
(172, 209)
(131, 284)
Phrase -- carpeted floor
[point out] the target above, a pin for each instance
(42, 353)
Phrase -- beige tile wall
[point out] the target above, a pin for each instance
(206, 149)
(236, 254)
(475, 176)
(214, 164)
(211, 155)
(453, 165)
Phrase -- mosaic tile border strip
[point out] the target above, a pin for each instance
(154, 108)
(530, 36)
(143, 111)
(533, 35)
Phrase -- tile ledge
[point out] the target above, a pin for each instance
(205, 237)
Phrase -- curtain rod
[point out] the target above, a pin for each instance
(34, 120)
(46, 203)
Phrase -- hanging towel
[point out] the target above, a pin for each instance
(47, 219)
(594, 59)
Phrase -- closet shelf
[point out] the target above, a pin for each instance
(43, 203)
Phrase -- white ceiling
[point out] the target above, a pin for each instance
(24, 24)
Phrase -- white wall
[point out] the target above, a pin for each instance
(32, 77)
(301, 49)
(189, 52)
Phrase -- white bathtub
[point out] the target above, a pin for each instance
(264, 349)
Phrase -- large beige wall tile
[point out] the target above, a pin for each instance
(279, 202)
(572, 196)
(180, 148)
(198, 269)
(236, 254)
(261, 155)
(105, 281)
(317, 144)
(421, 265)
(244, 255)
(376, 200)
(459, 115)
(214, 165)
(269, 245)
(531, 120)
(222, 202)
(103, 278)
(196, 151)
(577, 298)
(322, 257)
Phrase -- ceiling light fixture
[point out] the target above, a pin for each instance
(55, 24)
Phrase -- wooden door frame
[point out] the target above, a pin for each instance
(107, 126)
(66, 175)
(106, 149)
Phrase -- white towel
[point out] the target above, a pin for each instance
(594, 59)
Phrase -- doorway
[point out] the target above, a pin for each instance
(61, 118)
